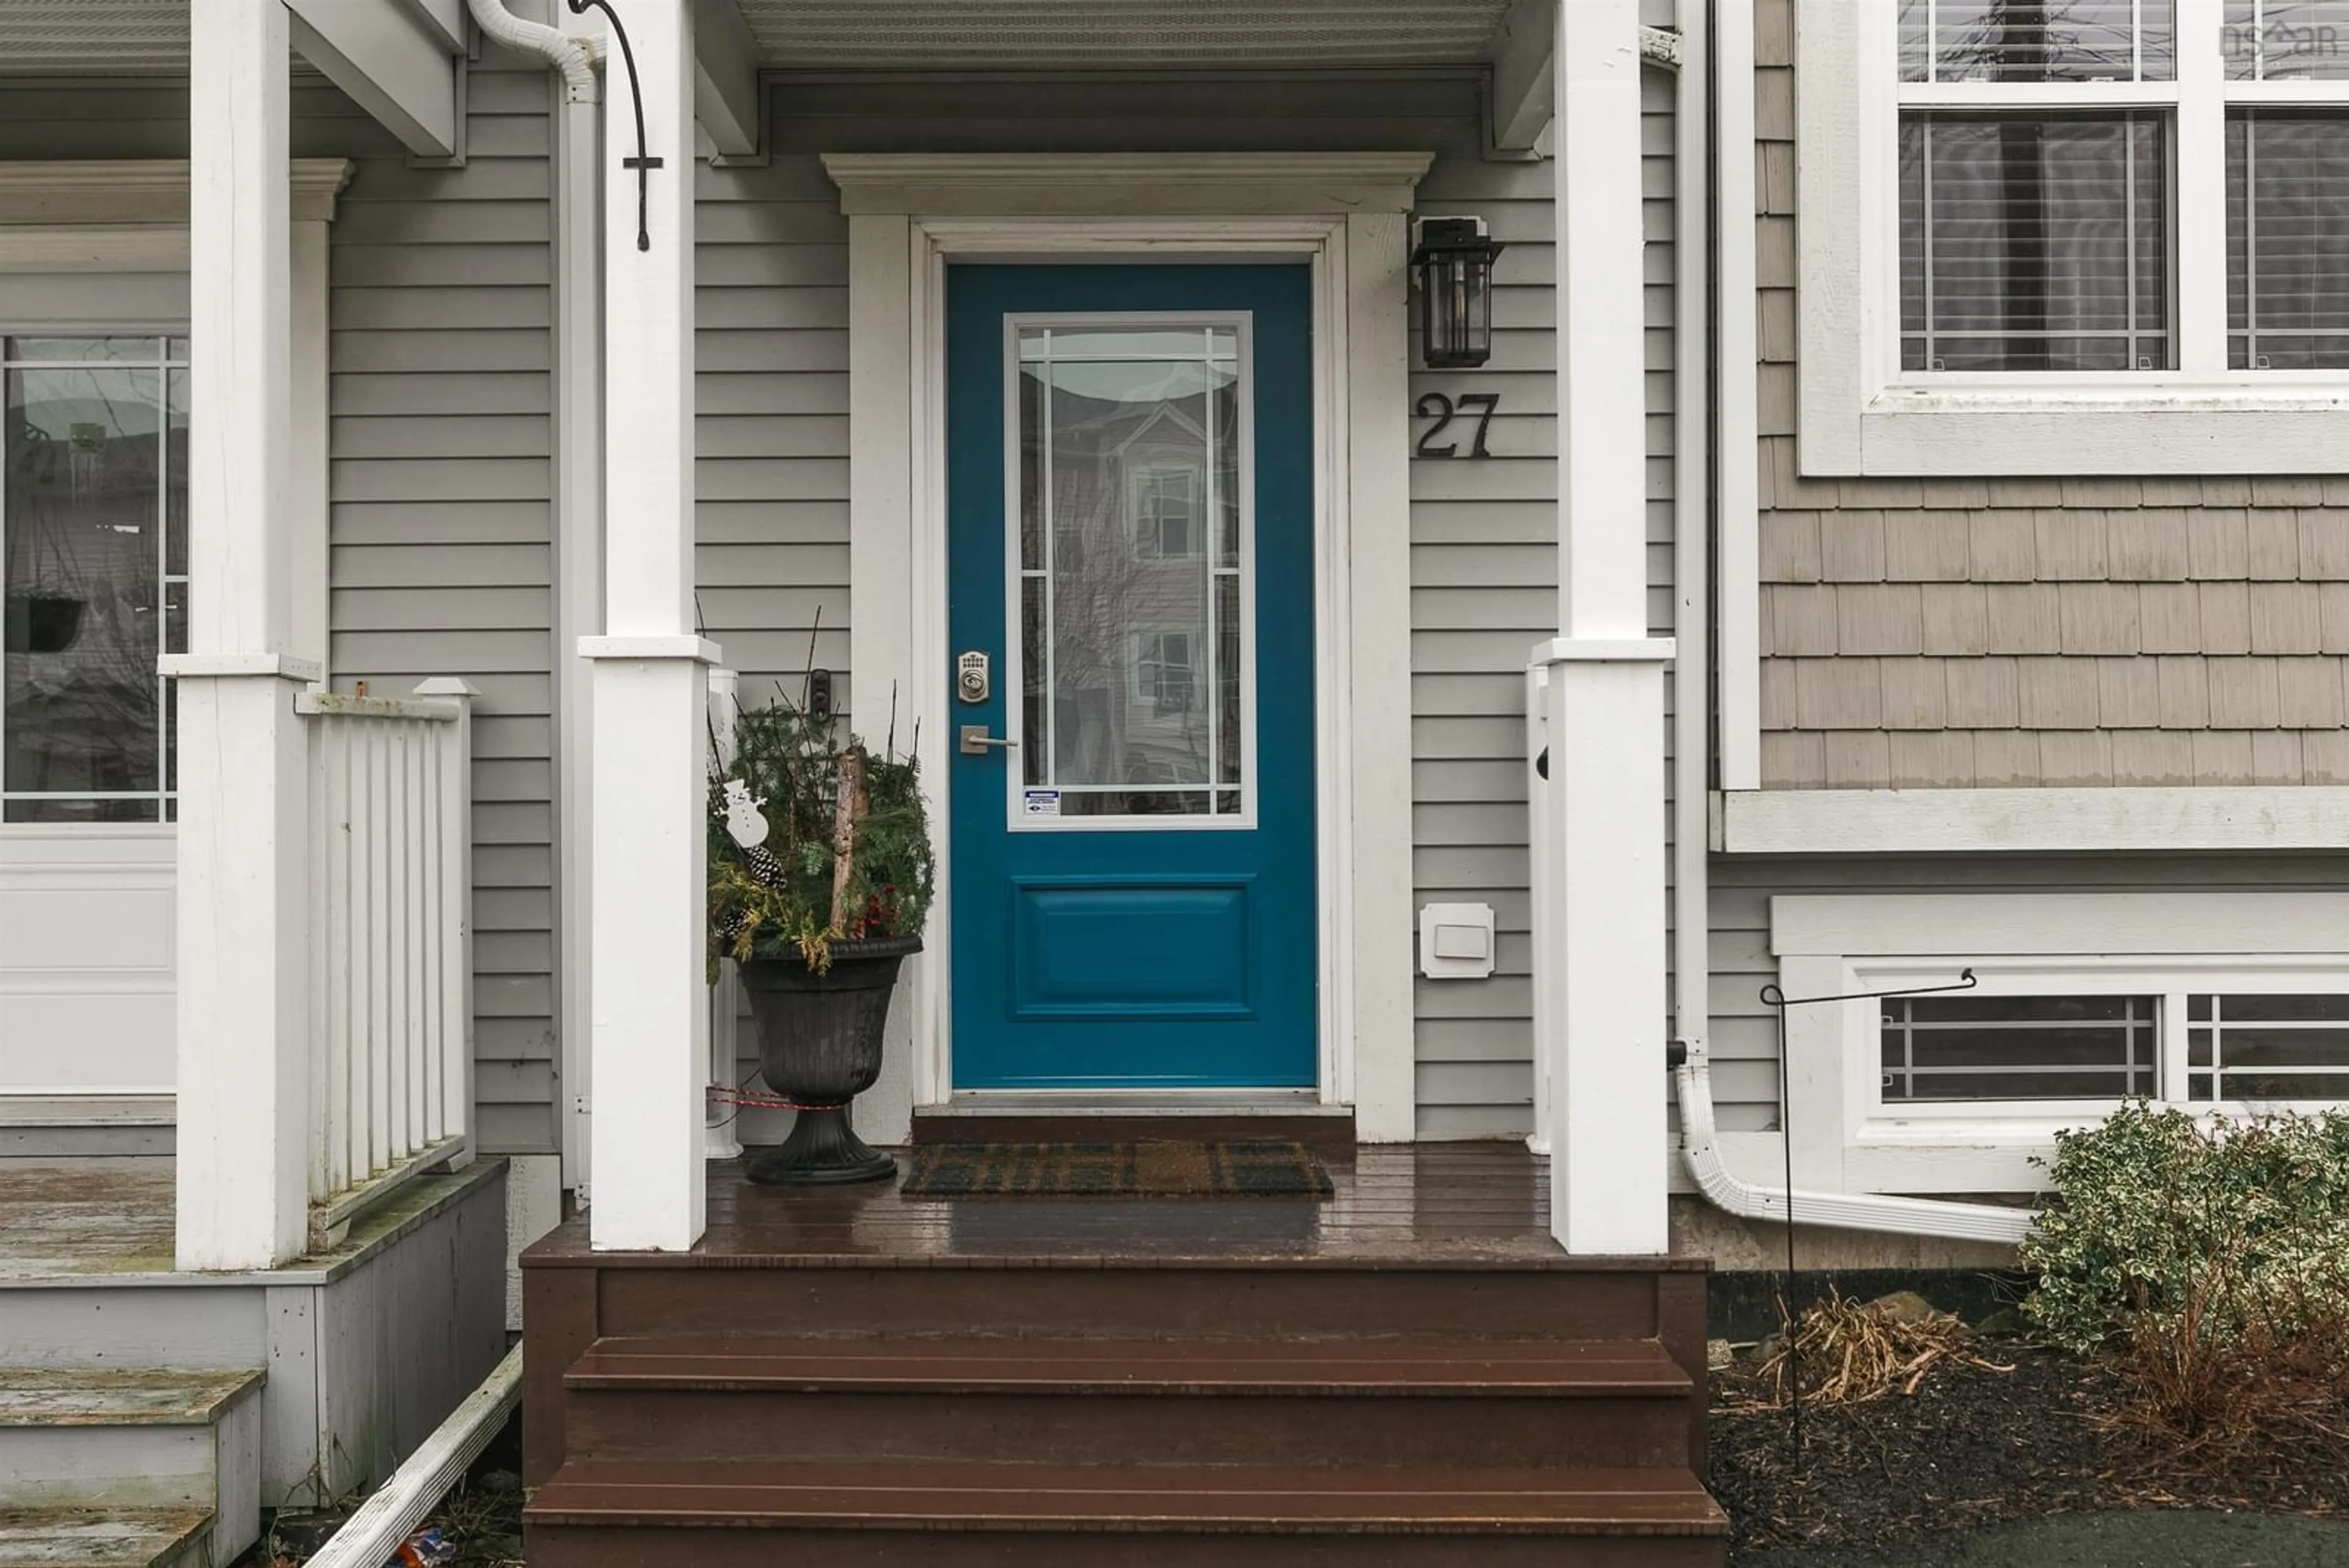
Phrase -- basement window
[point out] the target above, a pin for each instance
(2264, 1047)
(2218, 1002)
(2018, 1047)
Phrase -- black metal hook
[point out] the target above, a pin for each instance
(644, 164)
(1772, 997)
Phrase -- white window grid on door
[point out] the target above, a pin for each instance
(2195, 105)
(1016, 355)
(168, 356)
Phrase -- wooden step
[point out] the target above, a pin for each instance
(973, 1366)
(600, 1512)
(1068, 1401)
(122, 1443)
(1235, 1298)
(110, 1537)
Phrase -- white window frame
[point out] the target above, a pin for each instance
(2171, 944)
(167, 360)
(1861, 414)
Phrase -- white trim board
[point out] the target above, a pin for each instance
(1859, 414)
(1346, 215)
(1967, 925)
(146, 192)
(1956, 820)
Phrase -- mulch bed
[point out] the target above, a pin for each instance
(1902, 1477)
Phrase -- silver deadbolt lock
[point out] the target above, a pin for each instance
(972, 683)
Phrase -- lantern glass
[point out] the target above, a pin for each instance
(1456, 299)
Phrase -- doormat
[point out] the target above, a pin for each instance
(1269, 1167)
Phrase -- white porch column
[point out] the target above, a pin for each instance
(244, 1008)
(1601, 964)
(647, 1003)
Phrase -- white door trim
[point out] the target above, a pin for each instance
(1347, 215)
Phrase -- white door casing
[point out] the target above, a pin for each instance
(1347, 215)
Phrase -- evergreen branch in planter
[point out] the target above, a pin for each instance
(848, 855)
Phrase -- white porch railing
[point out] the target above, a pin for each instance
(392, 945)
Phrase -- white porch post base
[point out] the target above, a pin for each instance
(1603, 957)
(244, 948)
(647, 998)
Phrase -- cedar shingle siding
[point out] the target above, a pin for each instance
(2029, 631)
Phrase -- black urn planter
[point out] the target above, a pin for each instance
(819, 1046)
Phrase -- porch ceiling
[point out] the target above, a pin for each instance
(1031, 35)
(93, 37)
(140, 38)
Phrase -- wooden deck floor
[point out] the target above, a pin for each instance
(1423, 1205)
(86, 1217)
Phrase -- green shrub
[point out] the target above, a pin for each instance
(2193, 1234)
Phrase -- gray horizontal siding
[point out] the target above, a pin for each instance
(440, 441)
(443, 524)
(1483, 592)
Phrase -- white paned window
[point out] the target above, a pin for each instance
(94, 551)
(2257, 1045)
(2082, 236)
(2198, 1030)
(2018, 1047)
(2037, 213)
(1131, 576)
(2230, 1004)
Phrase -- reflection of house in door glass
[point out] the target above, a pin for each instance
(1132, 569)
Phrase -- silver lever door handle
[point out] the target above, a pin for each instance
(975, 740)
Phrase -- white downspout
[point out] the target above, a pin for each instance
(574, 57)
(1730, 49)
(579, 531)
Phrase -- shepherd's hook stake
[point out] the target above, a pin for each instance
(1778, 1001)
(644, 164)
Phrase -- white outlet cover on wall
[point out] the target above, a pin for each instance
(1455, 941)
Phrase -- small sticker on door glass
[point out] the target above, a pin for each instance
(1041, 802)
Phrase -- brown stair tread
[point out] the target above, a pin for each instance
(750, 1363)
(1011, 1496)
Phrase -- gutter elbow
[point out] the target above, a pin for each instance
(574, 57)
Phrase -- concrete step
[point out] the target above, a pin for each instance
(132, 1538)
(114, 1442)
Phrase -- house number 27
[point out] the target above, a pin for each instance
(1444, 410)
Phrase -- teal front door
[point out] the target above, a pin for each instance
(1130, 602)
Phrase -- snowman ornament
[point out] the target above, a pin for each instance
(746, 825)
(745, 822)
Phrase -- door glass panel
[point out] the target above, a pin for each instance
(92, 486)
(1132, 531)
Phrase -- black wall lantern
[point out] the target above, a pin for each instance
(1454, 258)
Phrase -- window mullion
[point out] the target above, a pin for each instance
(2170, 1082)
(2198, 220)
